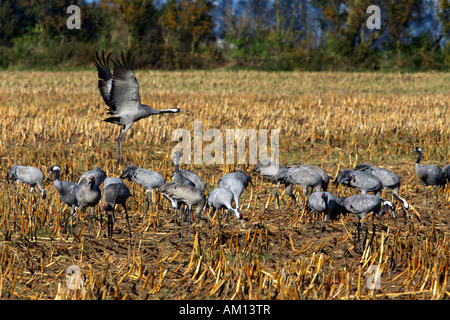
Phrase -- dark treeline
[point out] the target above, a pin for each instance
(257, 34)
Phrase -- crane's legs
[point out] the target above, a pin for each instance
(128, 221)
(125, 128)
(148, 198)
(183, 216)
(189, 222)
(276, 199)
(29, 196)
(436, 193)
(111, 221)
(91, 213)
(426, 198)
(74, 209)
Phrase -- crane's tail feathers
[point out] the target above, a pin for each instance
(115, 120)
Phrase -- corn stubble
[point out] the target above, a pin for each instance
(334, 120)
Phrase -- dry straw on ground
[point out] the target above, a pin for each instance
(334, 120)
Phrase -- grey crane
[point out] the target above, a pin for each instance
(179, 178)
(322, 201)
(272, 172)
(389, 180)
(360, 180)
(115, 192)
(98, 174)
(31, 176)
(192, 176)
(431, 175)
(222, 198)
(111, 180)
(188, 195)
(120, 92)
(304, 177)
(88, 195)
(147, 178)
(323, 174)
(237, 182)
(67, 191)
(362, 204)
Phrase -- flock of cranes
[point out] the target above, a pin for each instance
(120, 92)
(187, 190)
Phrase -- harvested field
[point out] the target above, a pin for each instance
(332, 120)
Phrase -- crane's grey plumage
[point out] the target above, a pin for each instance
(147, 178)
(360, 180)
(431, 175)
(115, 192)
(322, 201)
(67, 190)
(111, 180)
(177, 176)
(323, 174)
(180, 179)
(237, 182)
(362, 204)
(272, 172)
(98, 174)
(222, 198)
(192, 176)
(88, 195)
(304, 177)
(189, 196)
(389, 180)
(120, 91)
(31, 176)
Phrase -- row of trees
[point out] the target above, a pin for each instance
(263, 34)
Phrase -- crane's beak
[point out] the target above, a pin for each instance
(182, 111)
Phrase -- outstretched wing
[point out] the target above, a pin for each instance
(105, 77)
(125, 88)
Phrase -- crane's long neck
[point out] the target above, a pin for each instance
(56, 182)
(151, 111)
(177, 162)
(200, 206)
(92, 185)
(419, 156)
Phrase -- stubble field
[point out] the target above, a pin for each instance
(333, 120)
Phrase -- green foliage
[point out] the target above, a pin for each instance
(180, 34)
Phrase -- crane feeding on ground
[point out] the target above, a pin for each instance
(147, 178)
